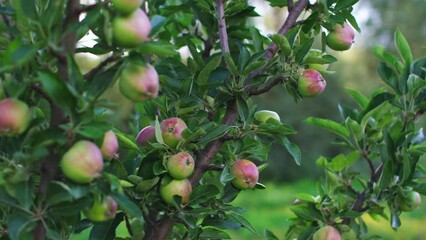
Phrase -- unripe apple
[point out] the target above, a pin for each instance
(109, 145)
(126, 7)
(315, 53)
(146, 135)
(180, 165)
(102, 210)
(262, 116)
(327, 233)
(341, 38)
(245, 174)
(311, 83)
(132, 30)
(138, 82)
(15, 116)
(180, 188)
(410, 201)
(171, 131)
(82, 162)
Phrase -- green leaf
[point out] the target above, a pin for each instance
(244, 222)
(125, 141)
(57, 90)
(146, 185)
(403, 47)
(214, 133)
(277, 3)
(253, 66)
(243, 108)
(269, 235)
(330, 125)
(226, 175)
(205, 72)
(302, 50)
(306, 213)
(106, 230)
(161, 49)
(344, 4)
(231, 65)
(203, 192)
(158, 134)
(282, 43)
(127, 205)
(157, 22)
(17, 224)
(358, 97)
(102, 81)
(213, 233)
(294, 150)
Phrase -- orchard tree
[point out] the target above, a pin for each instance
(195, 138)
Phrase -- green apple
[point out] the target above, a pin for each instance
(175, 187)
(15, 116)
(102, 210)
(180, 165)
(82, 162)
(410, 201)
(132, 30)
(126, 7)
(262, 116)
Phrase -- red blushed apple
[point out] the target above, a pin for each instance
(327, 233)
(245, 174)
(132, 30)
(180, 165)
(341, 38)
(102, 210)
(82, 162)
(15, 116)
(146, 135)
(138, 82)
(171, 131)
(175, 187)
(109, 145)
(311, 83)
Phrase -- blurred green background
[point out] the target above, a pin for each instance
(269, 208)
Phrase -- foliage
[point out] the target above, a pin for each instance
(381, 131)
(210, 91)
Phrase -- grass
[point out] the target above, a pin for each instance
(269, 209)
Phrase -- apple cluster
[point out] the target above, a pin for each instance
(83, 163)
(131, 28)
(311, 82)
(179, 165)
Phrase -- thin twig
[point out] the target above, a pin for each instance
(101, 65)
(288, 24)
(257, 91)
(223, 34)
(364, 154)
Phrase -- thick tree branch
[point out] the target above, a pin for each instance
(49, 165)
